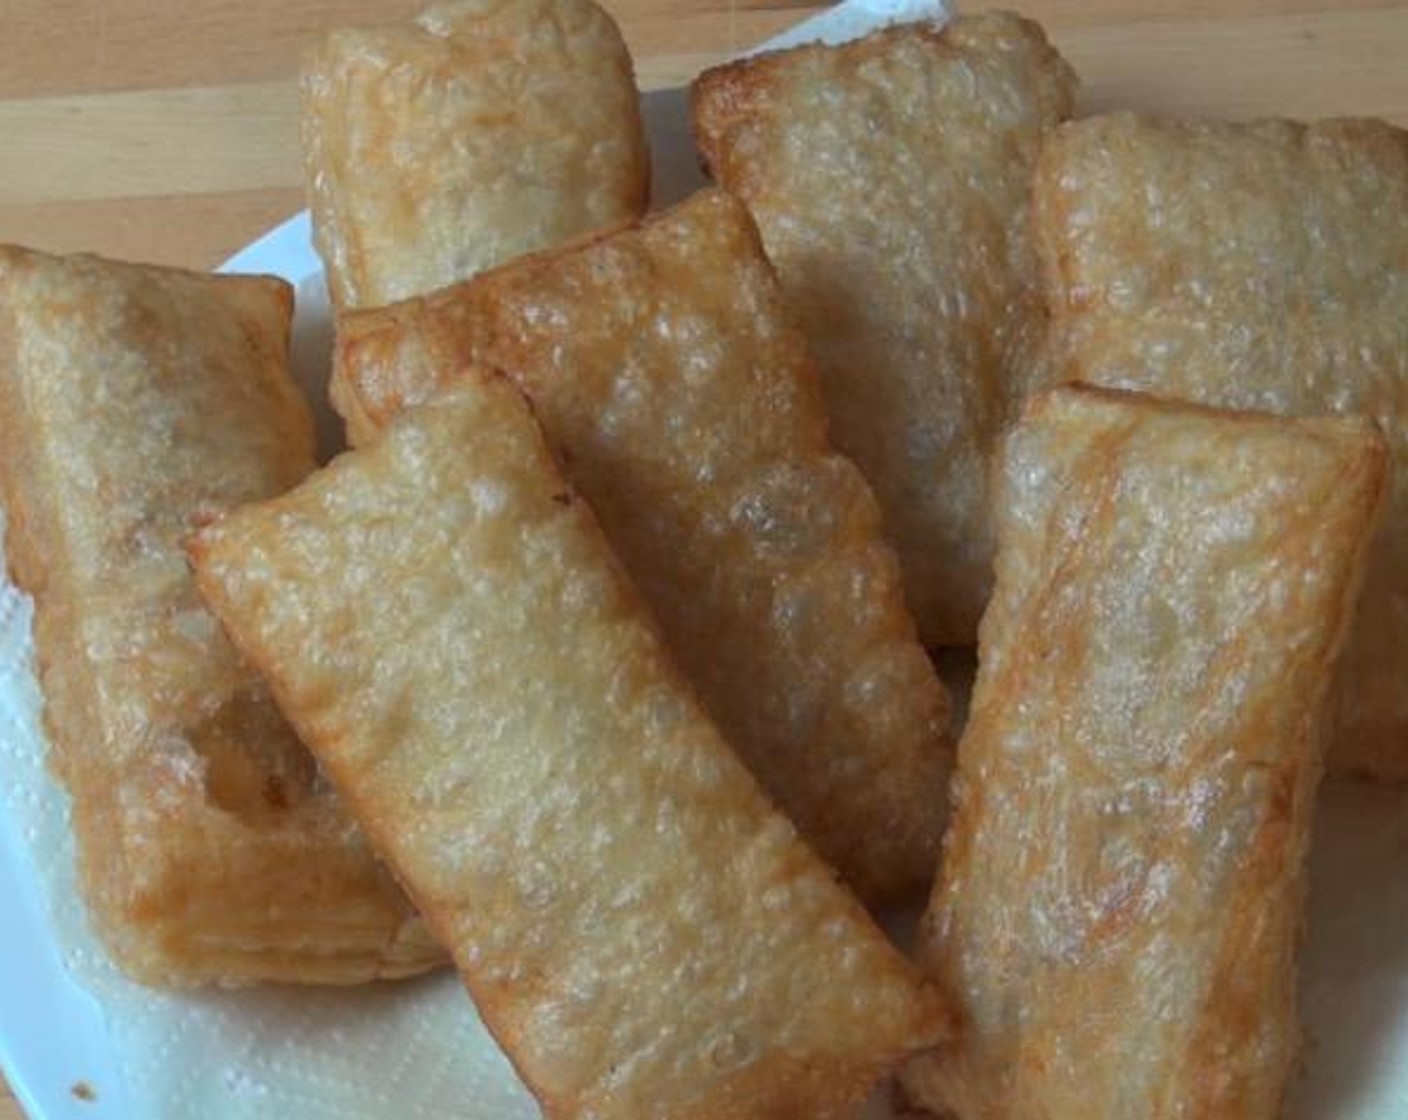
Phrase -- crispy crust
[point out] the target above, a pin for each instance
(481, 130)
(671, 381)
(1122, 888)
(1260, 265)
(135, 401)
(889, 177)
(641, 931)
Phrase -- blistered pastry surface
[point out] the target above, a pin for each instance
(669, 377)
(481, 130)
(1118, 911)
(136, 403)
(890, 177)
(1260, 266)
(644, 934)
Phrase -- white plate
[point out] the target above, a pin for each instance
(416, 1049)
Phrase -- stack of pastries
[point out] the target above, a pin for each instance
(602, 664)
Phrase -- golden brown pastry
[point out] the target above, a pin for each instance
(889, 177)
(670, 380)
(444, 622)
(1259, 266)
(135, 403)
(481, 130)
(1121, 895)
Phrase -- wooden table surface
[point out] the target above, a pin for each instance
(165, 130)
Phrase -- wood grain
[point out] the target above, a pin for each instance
(167, 131)
(164, 130)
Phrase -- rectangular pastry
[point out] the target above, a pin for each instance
(1118, 912)
(136, 403)
(889, 177)
(1260, 265)
(681, 399)
(480, 130)
(444, 622)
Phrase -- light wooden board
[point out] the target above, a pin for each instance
(167, 131)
